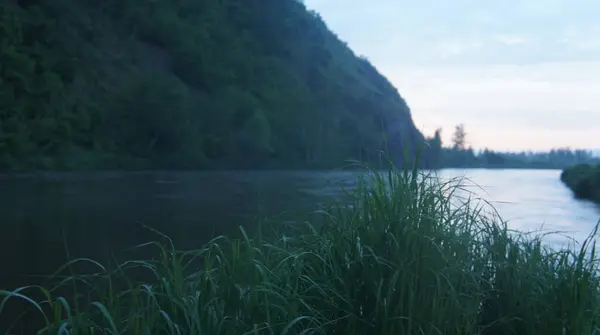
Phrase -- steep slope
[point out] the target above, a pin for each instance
(187, 84)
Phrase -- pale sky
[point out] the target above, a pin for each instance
(520, 74)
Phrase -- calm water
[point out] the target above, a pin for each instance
(532, 200)
(104, 212)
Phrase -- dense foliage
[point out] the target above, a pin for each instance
(203, 84)
(583, 180)
(398, 258)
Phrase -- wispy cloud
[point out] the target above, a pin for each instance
(511, 39)
(457, 48)
(513, 71)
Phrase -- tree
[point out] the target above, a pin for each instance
(437, 138)
(433, 150)
(459, 137)
(436, 149)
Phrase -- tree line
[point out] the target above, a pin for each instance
(459, 155)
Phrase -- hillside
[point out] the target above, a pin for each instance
(583, 180)
(187, 84)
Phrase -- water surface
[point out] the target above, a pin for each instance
(98, 213)
(532, 200)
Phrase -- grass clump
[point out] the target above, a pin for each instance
(583, 180)
(398, 258)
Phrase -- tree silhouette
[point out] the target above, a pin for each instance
(459, 137)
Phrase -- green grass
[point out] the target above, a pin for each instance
(398, 258)
(583, 180)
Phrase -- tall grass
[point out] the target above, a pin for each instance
(398, 258)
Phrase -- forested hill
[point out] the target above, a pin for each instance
(89, 84)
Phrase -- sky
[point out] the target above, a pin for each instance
(519, 74)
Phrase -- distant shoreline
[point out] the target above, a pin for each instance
(25, 173)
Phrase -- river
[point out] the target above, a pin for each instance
(94, 214)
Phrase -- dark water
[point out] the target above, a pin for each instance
(104, 212)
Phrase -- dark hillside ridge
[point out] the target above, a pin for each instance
(187, 84)
(583, 180)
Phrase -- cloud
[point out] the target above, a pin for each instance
(433, 33)
(530, 68)
(511, 39)
(546, 98)
(457, 48)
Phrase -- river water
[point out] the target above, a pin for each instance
(94, 214)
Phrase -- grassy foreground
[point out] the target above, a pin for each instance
(583, 180)
(397, 259)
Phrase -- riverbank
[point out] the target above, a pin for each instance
(583, 180)
(396, 259)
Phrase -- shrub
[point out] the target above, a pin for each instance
(583, 180)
